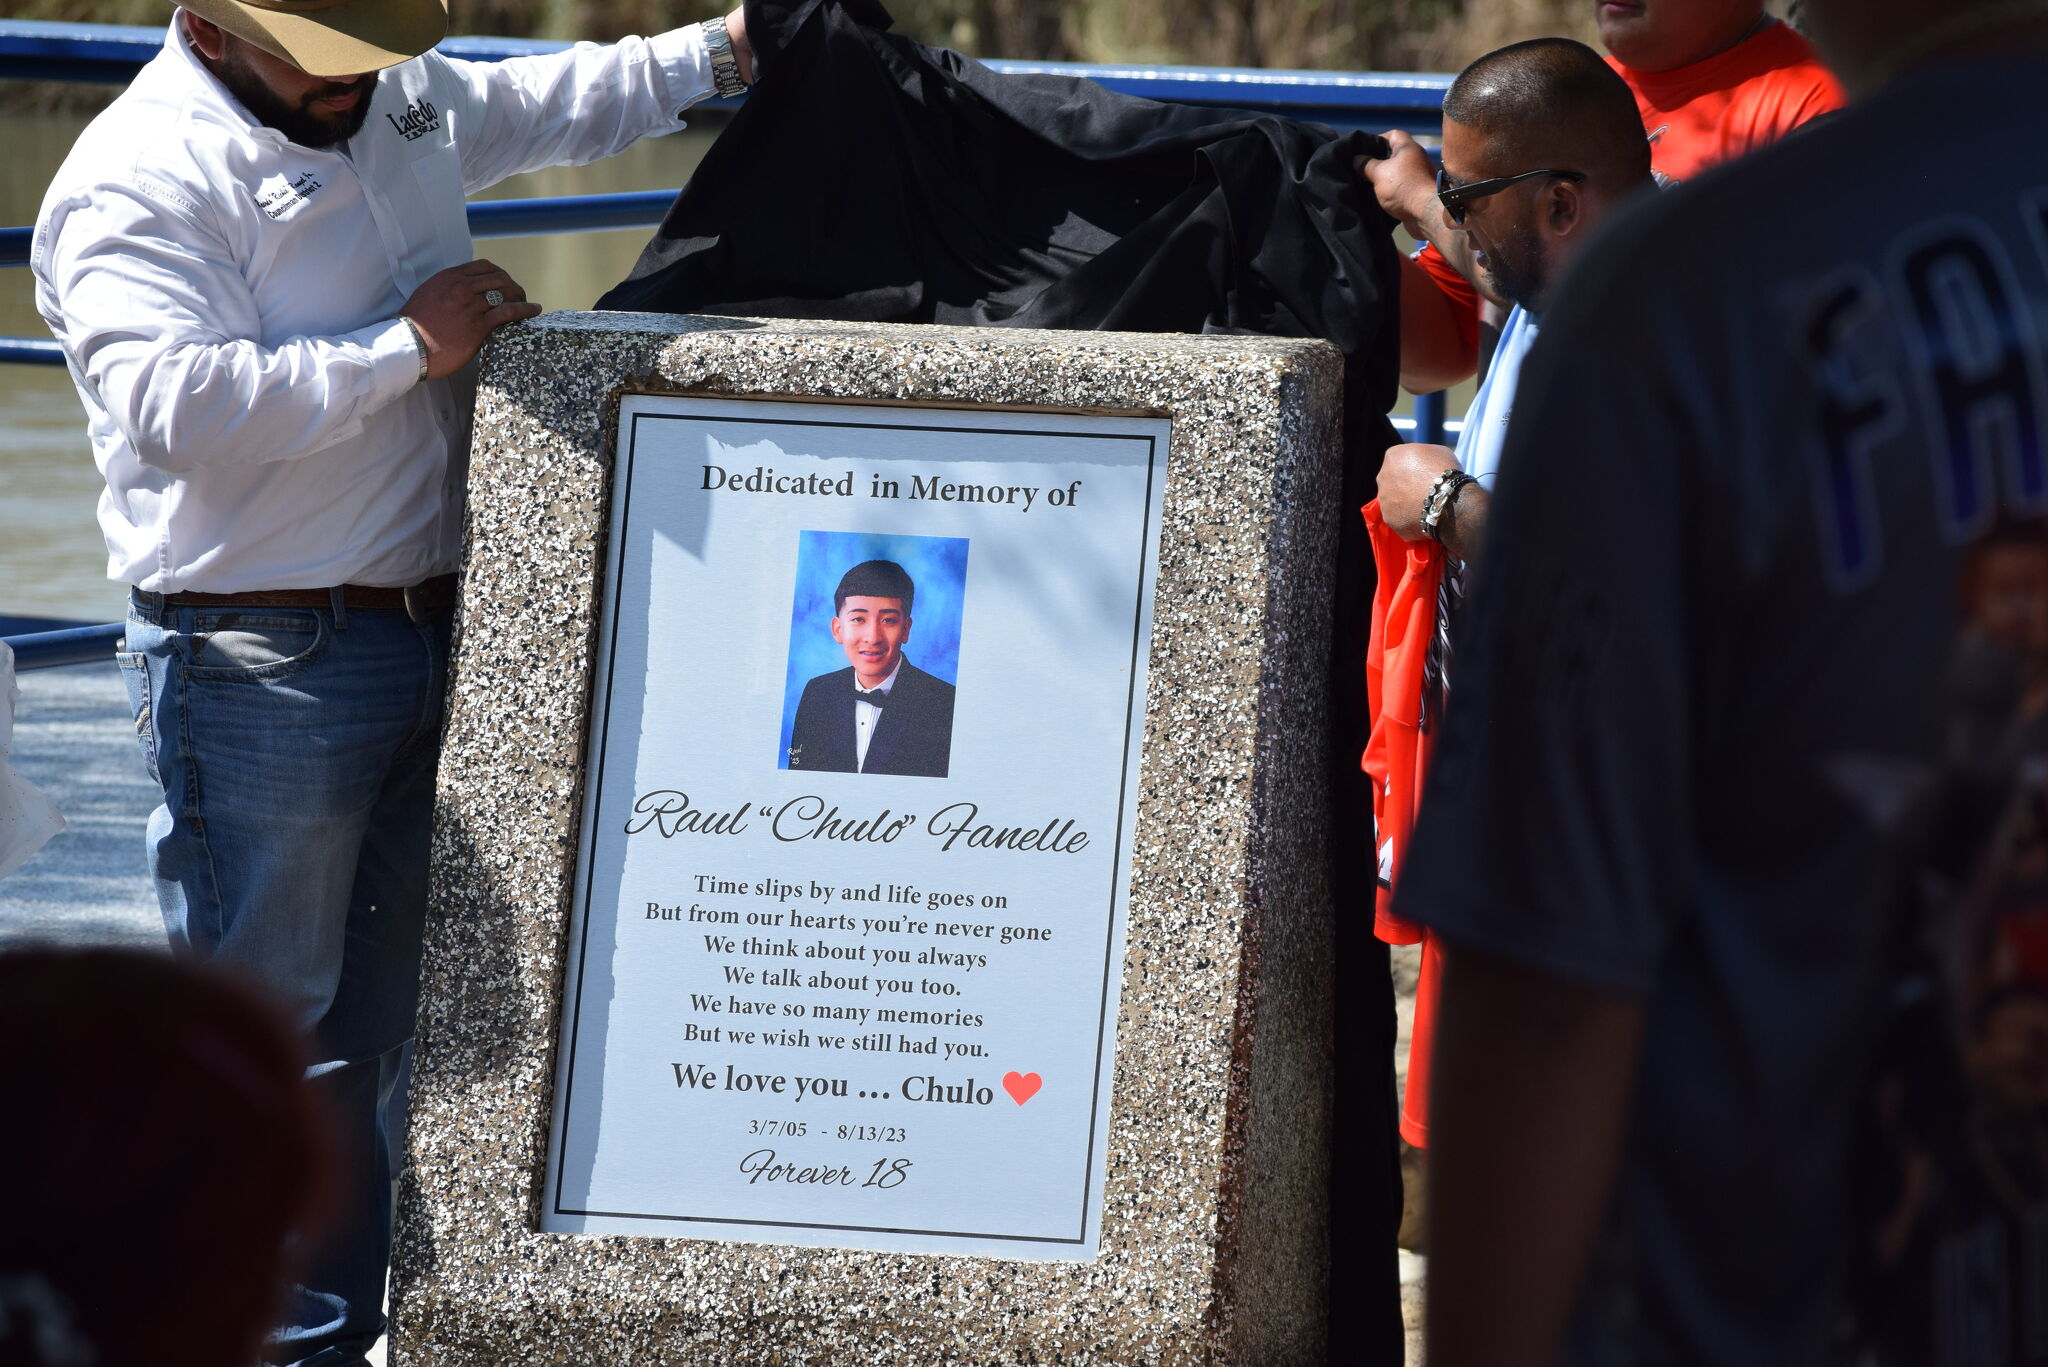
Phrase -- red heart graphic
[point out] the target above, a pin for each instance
(1022, 1086)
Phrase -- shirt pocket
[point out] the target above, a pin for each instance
(441, 211)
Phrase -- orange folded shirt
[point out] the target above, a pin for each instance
(1404, 608)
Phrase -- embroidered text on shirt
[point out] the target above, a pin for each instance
(419, 119)
(277, 196)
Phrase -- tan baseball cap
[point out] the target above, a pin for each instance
(332, 37)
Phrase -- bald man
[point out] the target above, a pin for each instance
(1541, 141)
(1699, 841)
(1713, 80)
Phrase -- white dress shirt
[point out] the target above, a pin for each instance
(866, 715)
(228, 303)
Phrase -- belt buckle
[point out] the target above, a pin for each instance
(412, 605)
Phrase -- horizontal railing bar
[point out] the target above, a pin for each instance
(1405, 424)
(72, 646)
(40, 50)
(1267, 87)
(37, 50)
(492, 218)
(30, 351)
(569, 213)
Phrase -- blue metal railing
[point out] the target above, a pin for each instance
(489, 218)
(70, 646)
(111, 54)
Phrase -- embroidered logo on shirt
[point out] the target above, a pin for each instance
(277, 197)
(419, 119)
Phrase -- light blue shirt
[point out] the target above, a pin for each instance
(1486, 421)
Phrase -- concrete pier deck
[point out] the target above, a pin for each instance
(74, 740)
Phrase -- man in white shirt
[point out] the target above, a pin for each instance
(259, 266)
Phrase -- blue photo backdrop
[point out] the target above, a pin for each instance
(937, 566)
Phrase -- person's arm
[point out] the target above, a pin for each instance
(159, 322)
(583, 104)
(1404, 183)
(1530, 1087)
(1407, 473)
(1438, 347)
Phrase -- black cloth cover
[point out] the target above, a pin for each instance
(869, 177)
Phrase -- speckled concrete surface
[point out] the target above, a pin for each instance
(1214, 1236)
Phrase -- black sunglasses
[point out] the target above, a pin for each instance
(1455, 198)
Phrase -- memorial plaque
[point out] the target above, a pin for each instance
(878, 908)
(852, 976)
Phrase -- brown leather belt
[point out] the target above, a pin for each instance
(433, 595)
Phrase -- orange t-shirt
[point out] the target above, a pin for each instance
(1404, 608)
(1456, 288)
(1731, 104)
(1702, 115)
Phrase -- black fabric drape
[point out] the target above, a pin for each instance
(869, 177)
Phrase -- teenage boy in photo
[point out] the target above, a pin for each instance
(881, 714)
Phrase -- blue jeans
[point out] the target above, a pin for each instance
(295, 748)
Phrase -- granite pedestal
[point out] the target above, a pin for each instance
(1212, 1217)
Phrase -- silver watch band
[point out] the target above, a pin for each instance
(419, 342)
(725, 68)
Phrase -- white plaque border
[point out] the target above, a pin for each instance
(554, 1218)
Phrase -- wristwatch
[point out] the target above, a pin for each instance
(1439, 499)
(725, 68)
(419, 343)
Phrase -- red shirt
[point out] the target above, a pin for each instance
(1704, 114)
(1731, 104)
(1404, 607)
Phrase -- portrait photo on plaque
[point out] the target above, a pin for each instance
(874, 651)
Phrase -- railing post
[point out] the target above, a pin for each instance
(1429, 418)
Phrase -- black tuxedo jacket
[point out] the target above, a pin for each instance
(914, 735)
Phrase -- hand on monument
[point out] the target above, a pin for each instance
(1405, 478)
(1404, 181)
(453, 314)
(742, 50)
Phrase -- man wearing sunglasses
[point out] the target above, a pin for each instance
(1541, 141)
(1713, 80)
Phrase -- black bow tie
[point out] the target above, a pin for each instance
(878, 698)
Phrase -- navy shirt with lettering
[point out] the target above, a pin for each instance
(1757, 655)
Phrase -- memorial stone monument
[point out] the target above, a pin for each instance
(879, 911)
